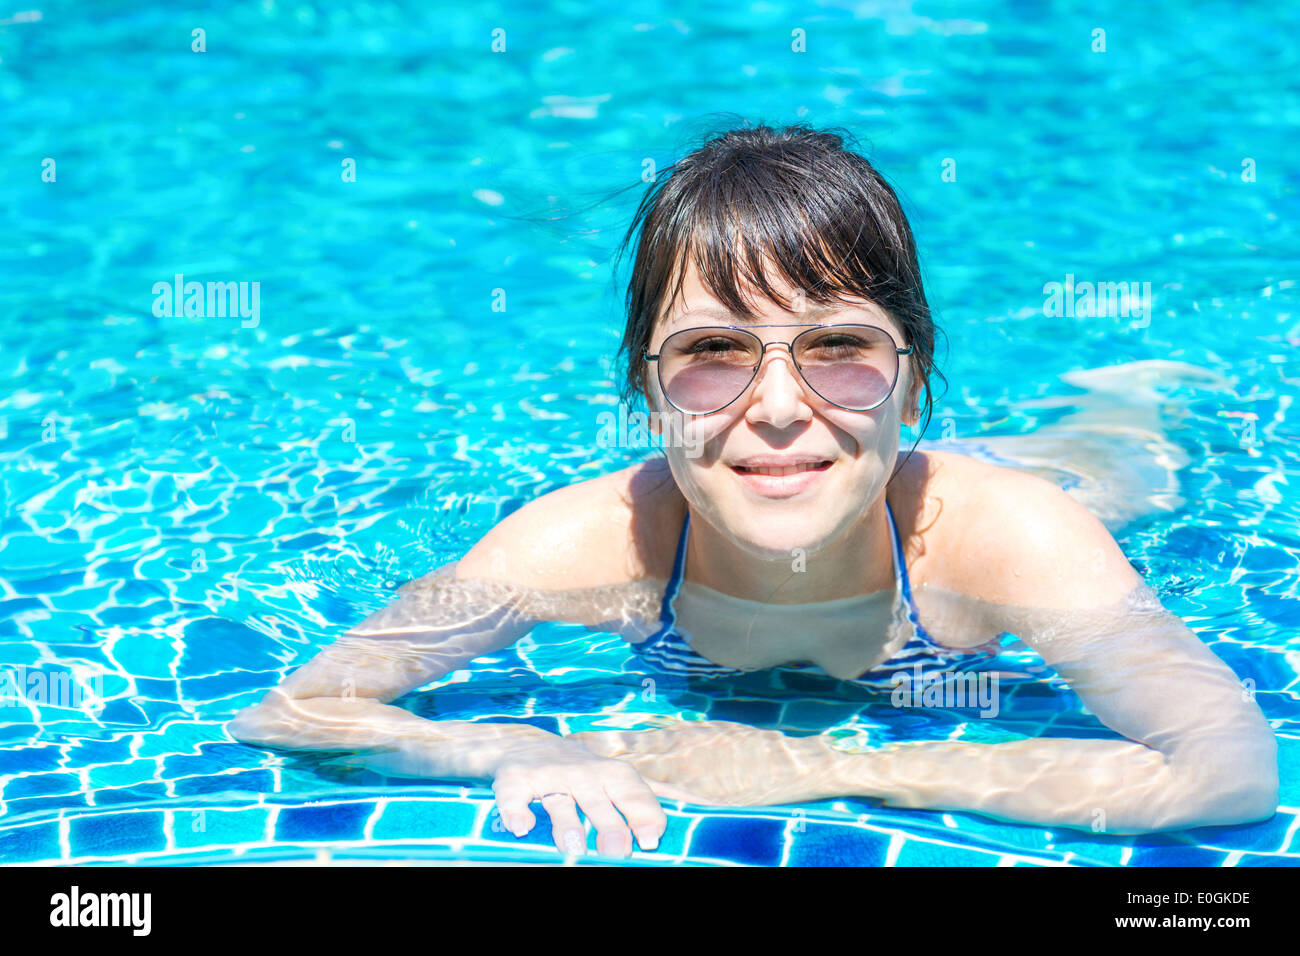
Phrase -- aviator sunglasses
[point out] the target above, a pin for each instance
(703, 370)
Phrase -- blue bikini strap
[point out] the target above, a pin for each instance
(667, 616)
(900, 566)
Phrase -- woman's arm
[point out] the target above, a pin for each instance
(512, 579)
(1198, 750)
(339, 699)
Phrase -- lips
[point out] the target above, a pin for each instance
(775, 477)
(780, 471)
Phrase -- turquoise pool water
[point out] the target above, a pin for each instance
(192, 506)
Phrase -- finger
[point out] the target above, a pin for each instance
(567, 831)
(636, 801)
(613, 837)
(513, 794)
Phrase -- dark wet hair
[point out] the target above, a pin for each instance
(819, 211)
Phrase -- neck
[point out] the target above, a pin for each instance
(858, 561)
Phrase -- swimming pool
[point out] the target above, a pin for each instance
(193, 505)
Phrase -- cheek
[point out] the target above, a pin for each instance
(699, 439)
(692, 449)
(863, 429)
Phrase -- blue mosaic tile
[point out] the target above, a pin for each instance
(133, 615)
(160, 689)
(338, 821)
(822, 844)
(121, 713)
(1293, 845)
(746, 711)
(186, 765)
(1185, 855)
(13, 606)
(1288, 760)
(688, 700)
(753, 840)
(215, 644)
(40, 805)
(29, 759)
(225, 754)
(50, 584)
(817, 714)
(985, 833)
(1105, 851)
(116, 834)
(13, 654)
(217, 687)
(14, 729)
(97, 751)
(925, 853)
(248, 781)
(1259, 859)
(41, 785)
(116, 570)
(127, 773)
(160, 713)
(140, 793)
(1267, 836)
(539, 836)
(306, 542)
(804, 682)
(29, 844)
(203, 826)
(673, 840)
(422, 819)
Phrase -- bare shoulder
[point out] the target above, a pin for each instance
(608, 530)
(1006, 536)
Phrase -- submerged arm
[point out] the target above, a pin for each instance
(1198, 750)
(1198, 753)
(340, 700)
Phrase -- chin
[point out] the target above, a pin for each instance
(772, 537)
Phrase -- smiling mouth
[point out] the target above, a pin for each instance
(780, 472)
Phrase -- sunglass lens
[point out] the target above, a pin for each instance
(852, 366)
(703, 370)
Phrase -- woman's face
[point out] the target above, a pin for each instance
(843, 458)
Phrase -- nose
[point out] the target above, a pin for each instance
(778, 395)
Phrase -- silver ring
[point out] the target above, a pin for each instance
(555, 794)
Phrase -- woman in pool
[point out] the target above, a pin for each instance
(776, 319)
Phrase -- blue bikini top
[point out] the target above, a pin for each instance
(668, 650)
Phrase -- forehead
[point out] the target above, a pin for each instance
(697, 306)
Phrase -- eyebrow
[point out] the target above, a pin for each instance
(813, 312)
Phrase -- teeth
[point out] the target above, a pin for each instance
(781, 472)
